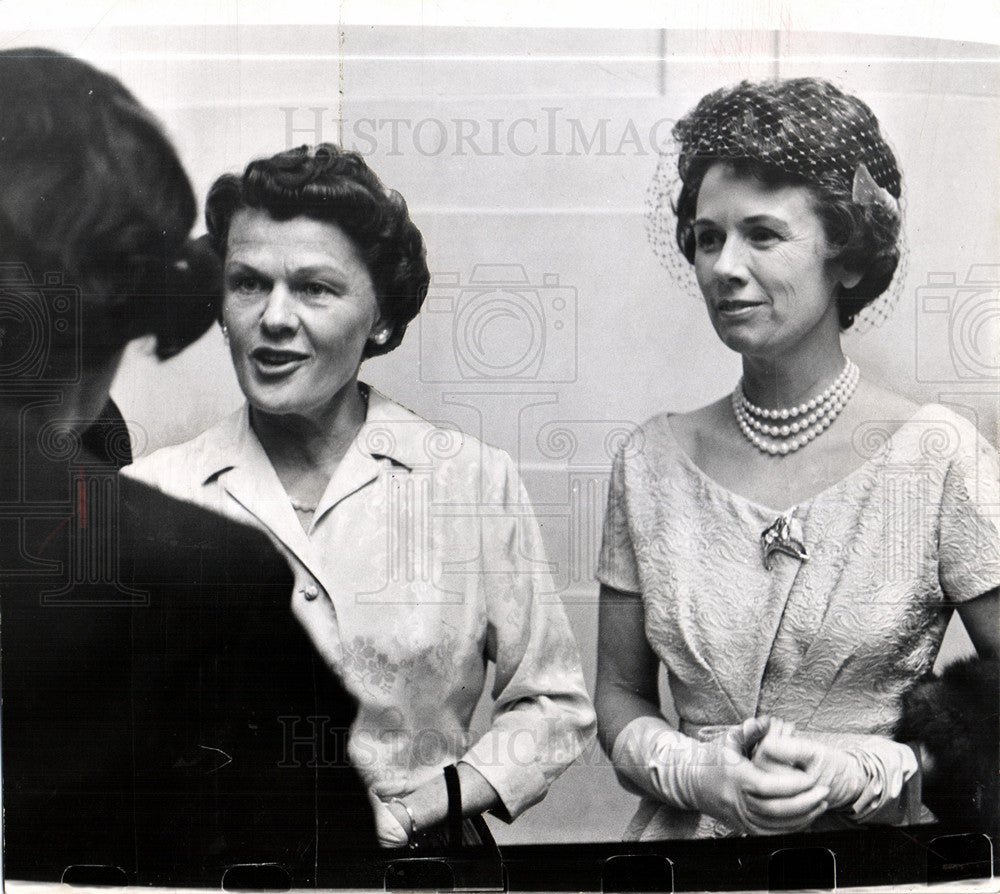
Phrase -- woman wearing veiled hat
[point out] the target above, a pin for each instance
(791, 553)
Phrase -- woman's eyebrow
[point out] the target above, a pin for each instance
(769, 219)
(328, 270)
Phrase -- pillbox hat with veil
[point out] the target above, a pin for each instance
(802, 131)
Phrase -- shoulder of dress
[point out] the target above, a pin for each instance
(483, 465)
(442, 450)
(468, 450)
(653, 436)
(940, 432)
(148, 468)
(178, 467)
(657, 427)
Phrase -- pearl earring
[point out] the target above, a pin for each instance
(225, 331)
(381, 337)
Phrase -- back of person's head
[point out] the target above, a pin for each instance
(94, 197)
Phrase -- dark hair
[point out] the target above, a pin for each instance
(806, 132)
(334, 185)
(94, 194)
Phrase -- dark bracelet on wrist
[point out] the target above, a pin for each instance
(455, 815)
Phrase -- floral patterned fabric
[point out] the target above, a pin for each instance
(424, 562)
(831, 642)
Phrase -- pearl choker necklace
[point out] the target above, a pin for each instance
(797, 426)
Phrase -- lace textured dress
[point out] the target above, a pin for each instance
(831, 642)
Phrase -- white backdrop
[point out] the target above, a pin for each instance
(550, 327)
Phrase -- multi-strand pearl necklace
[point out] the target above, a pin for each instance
(796, 426)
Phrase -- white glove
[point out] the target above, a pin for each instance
(716, 777)
(865, 773)
(388, 829)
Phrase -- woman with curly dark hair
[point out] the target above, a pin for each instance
(415, 546)
(791, 553)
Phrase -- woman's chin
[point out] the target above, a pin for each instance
(275, 399)
(741, 339)
(276, 409)
(753, 340)
(286, 408)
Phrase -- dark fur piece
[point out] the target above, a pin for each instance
(955, 718)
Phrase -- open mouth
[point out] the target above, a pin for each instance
(276, 360)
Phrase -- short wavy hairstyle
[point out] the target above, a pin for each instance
(801, 131)
(334, 185)
(94, 195)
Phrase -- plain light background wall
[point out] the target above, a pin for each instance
(550, 328)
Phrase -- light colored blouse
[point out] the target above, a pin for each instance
(423, 561)
(831, 642)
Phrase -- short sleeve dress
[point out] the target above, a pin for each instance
(830, 642)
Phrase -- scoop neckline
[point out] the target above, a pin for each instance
(770, 511)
